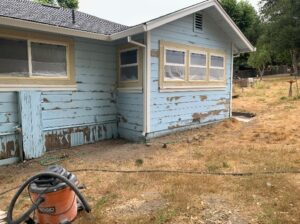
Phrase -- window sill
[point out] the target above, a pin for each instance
(8, 87)
(191, 88)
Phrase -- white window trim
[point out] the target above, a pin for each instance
(175, 64)
(216, 67)
(129, 65)
(198, 66)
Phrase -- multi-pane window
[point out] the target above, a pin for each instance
(28, 58)
(129, 67)
(191, 66)
(175, 65)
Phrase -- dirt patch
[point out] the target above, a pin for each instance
(146, 204)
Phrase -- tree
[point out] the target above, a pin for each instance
(282, 18)
(260, 58)
(246, 18)
(72, 4)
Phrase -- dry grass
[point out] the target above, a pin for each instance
(269, 143)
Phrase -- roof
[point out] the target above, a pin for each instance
(56, 16)
(30, 15)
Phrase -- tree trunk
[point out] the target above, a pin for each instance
(261, 72)
(294, 55)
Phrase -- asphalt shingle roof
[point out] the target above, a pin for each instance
(61, 17)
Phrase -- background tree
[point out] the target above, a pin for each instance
(261, 57)
(247, 19)
(282, 19)
(72, 4)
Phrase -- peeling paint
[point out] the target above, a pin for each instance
(9, 149)
(173, 98)
(203, 98)
(155, 53)
(197, 117)
(67, 138)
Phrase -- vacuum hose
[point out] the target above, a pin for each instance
(40, 199)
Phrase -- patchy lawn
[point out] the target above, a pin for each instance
(268, 143)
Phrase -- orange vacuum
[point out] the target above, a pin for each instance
(55, 198)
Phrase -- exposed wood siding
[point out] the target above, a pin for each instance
(72, 118)
(9, 120)
(175, 110)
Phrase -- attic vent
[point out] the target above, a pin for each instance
(198, 22)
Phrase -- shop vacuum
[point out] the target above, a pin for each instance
(55, 198)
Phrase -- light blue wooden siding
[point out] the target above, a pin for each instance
(130, 106)
(185, 109)
(9, 120)
(88, 114)
(130, 115)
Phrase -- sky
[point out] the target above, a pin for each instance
(132, 12)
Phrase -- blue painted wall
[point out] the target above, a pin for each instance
(171, 111)
(9, 120)
(89, 114)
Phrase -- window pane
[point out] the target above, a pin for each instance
(216, 74)
(217, 61)
(198, 59)
(48, 60)
(197, 73)
(129, 57)
(13, 57)
(175, 57)
(174, 72)
(129, 73)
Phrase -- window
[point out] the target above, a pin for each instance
(13, 57)
(174, 65)
(198, 66)
(217, 70)
(130, 67)
(184, 66)
(32, 60)
(48, 60)
(198, 22)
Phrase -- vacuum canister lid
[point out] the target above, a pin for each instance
(49, 184)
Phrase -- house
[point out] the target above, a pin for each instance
(68, 78)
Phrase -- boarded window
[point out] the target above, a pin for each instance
(174, 65)
(48, 60)
(217, 68)
(13, 57)
(129, 65)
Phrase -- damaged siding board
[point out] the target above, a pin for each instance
(171, 110)
(9, 146)
(76, 136)
(31, 119)
(89, 114)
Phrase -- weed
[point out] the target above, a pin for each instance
(139, 162)
(103, 201)
(225, 165)
(212, 168)
(165, 216)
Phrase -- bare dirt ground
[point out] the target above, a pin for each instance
(271, 142)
